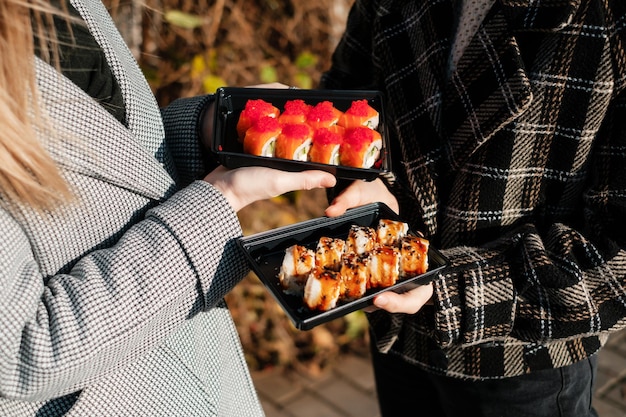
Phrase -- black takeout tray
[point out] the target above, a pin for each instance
(230, 101)
(265, 252)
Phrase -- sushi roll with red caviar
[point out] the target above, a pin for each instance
(295, 111)
(253, 111)
(294, 142)
(360, 113)
(323, 114)
(360, 148)
(326, 144)
(260, 138)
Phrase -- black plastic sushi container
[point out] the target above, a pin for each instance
(265, 252)
(228, 150)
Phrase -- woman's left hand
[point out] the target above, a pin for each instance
(245, 185)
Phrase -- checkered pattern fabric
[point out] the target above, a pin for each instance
(514, 164)
(113, 305)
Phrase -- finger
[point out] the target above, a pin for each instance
(349, 198)
(305, 180)
(337, 208)
(269, 85)
(409, 302)
(320, 179)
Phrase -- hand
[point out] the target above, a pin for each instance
(360, 193)
(246, 185)
(409, 302)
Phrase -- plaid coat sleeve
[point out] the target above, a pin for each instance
(557, 273)
(513, 165)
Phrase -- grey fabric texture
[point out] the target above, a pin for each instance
(113, 305)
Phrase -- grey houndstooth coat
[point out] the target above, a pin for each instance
(114, 305)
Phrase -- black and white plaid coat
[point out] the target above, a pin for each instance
(113, 306)
(514, 165)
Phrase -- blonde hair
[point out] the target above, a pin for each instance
(28, 175)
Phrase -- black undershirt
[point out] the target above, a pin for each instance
(84, 63)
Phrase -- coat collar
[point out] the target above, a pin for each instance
(143, 116)
(446, 119)
(490, 86)
(488, 89)
(90, 141)
(107, 148)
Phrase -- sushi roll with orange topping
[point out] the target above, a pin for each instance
(329, 252)
(323, 114)
(298, 263)
(294, 142)
(321, 291)
(361, 240)
(414, 255)
(354, 276)
(295, 111)
(360, 148)
(391, 232)
(326, 144)
(360, 113)
(384, 266)
(253, 111)
(260, 138)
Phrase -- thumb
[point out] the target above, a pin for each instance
(338, 206)
(325, 180)
(409, 302)
(348, 198)
(305, 180)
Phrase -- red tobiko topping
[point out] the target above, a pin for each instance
(257, 108)
(297, 130)
(324, 136)
(323, 110)
(296, 107)
(266, 124)
(359, 108)
(359, 136)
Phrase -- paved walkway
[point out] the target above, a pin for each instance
(347, 390)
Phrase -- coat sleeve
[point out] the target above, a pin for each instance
(542, 284)
(182, 119)
(62, 332)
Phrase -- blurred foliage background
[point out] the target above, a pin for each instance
(191, 47)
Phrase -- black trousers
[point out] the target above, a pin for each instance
(406, 390)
